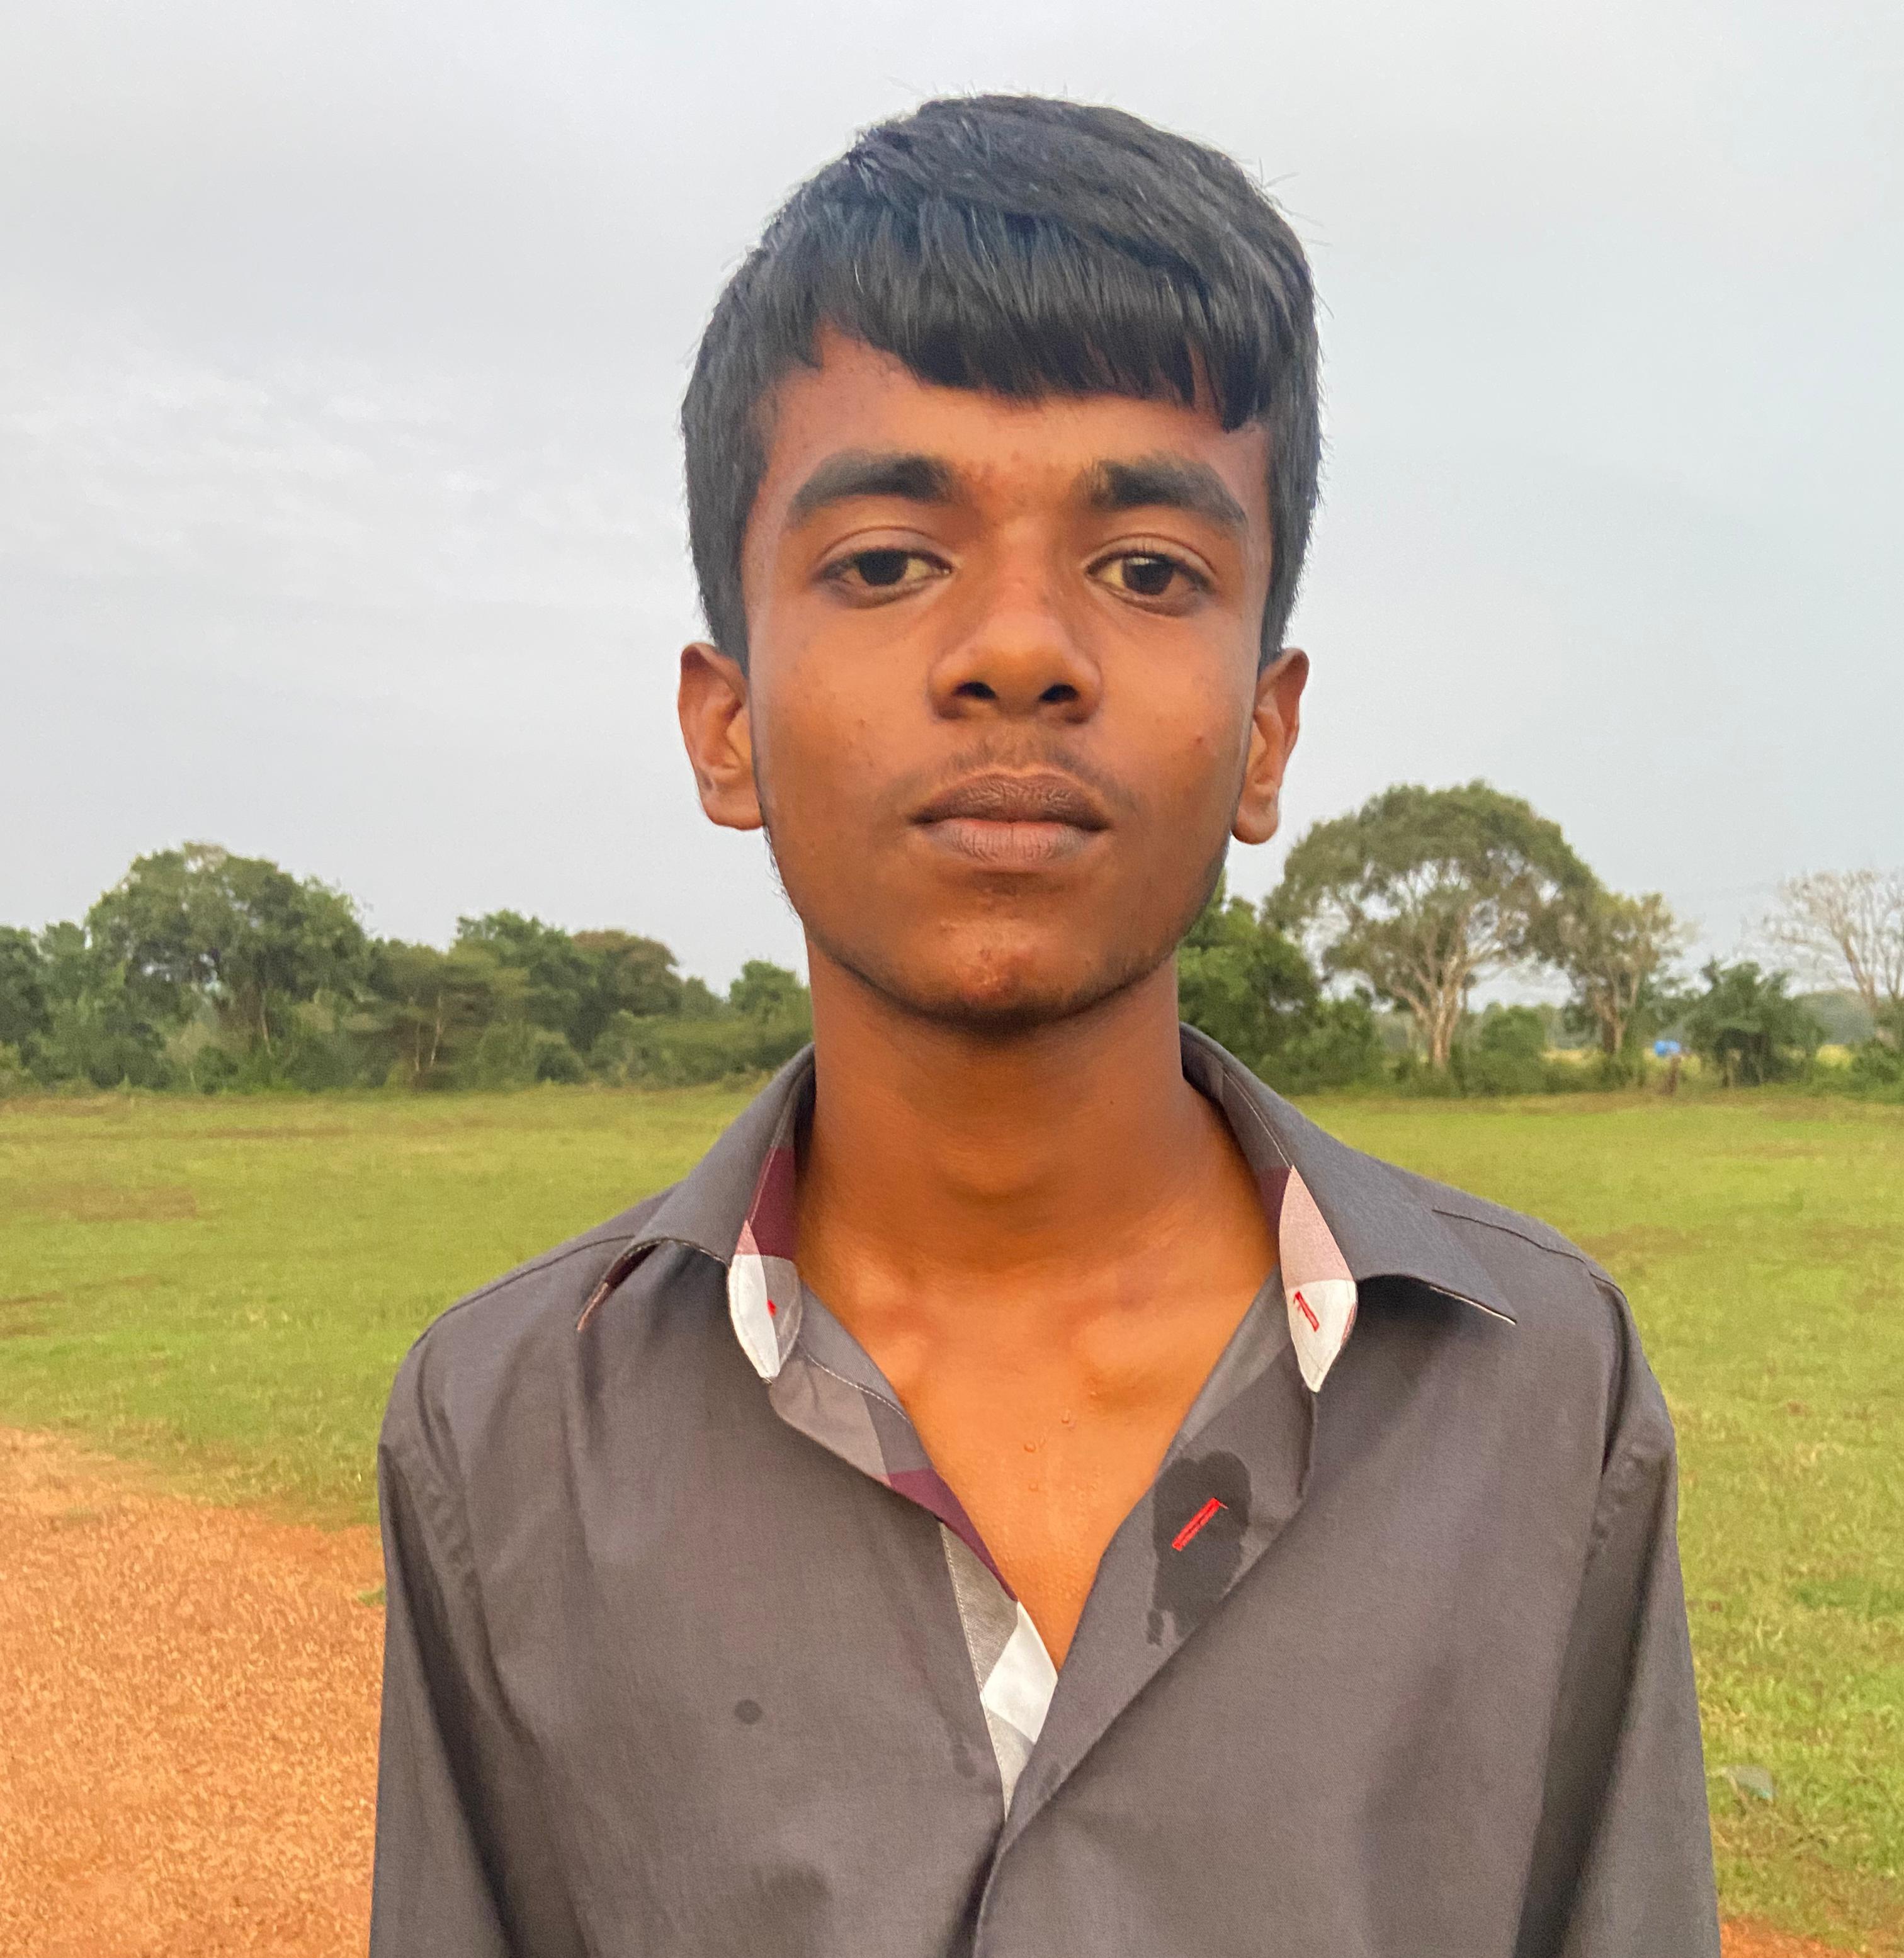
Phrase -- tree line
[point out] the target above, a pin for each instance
(203, 971)
(200, 970)
(1409, 902)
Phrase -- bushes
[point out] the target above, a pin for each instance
(658, 1052)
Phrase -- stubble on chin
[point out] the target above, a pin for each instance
(1000, 995)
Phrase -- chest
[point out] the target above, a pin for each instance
(1049, 1453)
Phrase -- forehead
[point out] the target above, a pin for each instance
(1001, 450)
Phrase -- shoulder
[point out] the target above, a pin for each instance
(1574, 1333)
(1540, 1268)
(466, 1361)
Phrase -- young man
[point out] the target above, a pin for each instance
(1028, 1491)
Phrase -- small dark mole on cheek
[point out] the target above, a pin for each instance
(746, 1712)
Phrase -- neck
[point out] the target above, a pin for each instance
(941, 1156)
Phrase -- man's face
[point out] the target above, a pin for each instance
(1003, 707)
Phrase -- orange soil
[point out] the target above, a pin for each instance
(1744, 1939)
(188, 1750)
(189, 1747)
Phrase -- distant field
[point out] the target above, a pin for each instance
(224, 1288)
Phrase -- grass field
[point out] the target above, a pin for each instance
(224, 1288)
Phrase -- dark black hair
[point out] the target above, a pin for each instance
(1028, 247)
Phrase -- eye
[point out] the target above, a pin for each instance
(885, 572)
(1150, 574)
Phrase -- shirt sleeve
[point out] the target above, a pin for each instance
(1623, 1858)
(434, 1890)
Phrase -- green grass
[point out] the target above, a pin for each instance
(224, 1288)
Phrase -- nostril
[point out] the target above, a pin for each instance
(1062, 695)
(974, 689)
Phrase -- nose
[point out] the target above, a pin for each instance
(1020, 657)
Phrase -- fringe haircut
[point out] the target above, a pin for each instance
(1027, 247)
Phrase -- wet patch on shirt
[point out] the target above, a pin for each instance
(747, 1712)
(1199, 1511)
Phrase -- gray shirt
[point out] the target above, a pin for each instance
(691, 1650)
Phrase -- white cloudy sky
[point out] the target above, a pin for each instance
(340, 345)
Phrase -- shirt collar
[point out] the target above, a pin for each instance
(1342, 1218)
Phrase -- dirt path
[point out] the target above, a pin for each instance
(189, 1743)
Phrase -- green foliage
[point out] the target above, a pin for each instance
(1844, 1016)
(213, 974)
(767, 991)
(684, 1052)
(699, 1001)
(1616, 950)
(1420, 892)
(1242, 982)
(95, 1031)
(1748, 1026)
(1505, 1052)
(424, 1012)
(627, 974)
(208, 973)
(200, 923)
(513, 1053)
(14, 1078)
(22, 988)
(551, 982)
(1876, 1068)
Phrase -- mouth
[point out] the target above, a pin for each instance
(1012, 822)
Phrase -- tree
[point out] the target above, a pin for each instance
(1846, 927)
(427, 1008)
(251, 940)
(96, 1029)
(1747, 1025)
(1615, 949)
(1245, 984)
(1423, 892)
(558, 977)
(22, 989)
(627, 974)
(764, 991)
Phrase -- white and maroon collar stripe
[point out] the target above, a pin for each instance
(1316, 1285)
(763, 1284)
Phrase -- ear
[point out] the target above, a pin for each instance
(718, 736)
(1274, 726)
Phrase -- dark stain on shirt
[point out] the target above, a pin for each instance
(1198, 1549)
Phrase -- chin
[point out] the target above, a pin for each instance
(1001, 991)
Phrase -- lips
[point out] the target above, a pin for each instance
(1047, 798)
(1013, 822)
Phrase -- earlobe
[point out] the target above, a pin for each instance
(717, 733)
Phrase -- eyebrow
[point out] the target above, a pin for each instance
(1164, 482)
(860, 472)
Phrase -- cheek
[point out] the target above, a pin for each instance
(817, 735)
(1195, 739)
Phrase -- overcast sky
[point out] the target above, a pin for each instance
(340, 348)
